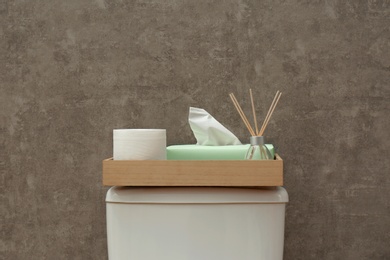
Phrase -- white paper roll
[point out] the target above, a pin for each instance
(139, 144)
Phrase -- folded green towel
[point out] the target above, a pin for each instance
(203, 152)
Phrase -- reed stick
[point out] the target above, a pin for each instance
(242, 114)
(269, 117)
(269, 111)
(253, 111)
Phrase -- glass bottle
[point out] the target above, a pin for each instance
(258, 150)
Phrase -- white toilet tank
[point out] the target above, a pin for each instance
(195, 223)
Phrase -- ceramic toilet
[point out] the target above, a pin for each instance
(195, 223)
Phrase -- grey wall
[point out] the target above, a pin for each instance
(71, 71)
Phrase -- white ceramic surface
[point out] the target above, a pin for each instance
(139, 144)
(195, 223)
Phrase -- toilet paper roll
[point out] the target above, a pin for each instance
(139, 144)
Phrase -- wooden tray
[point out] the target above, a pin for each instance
(193, 173)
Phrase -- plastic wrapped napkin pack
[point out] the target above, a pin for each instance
(214, 141)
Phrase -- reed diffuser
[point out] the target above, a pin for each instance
(257, 150)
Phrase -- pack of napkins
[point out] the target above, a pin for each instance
(214, 141)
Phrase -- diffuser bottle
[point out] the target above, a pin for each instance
(258, 150)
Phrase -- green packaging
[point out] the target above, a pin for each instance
(204, 152)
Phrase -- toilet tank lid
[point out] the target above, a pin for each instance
(196, 195)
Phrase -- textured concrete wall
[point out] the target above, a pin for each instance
(71, 71)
